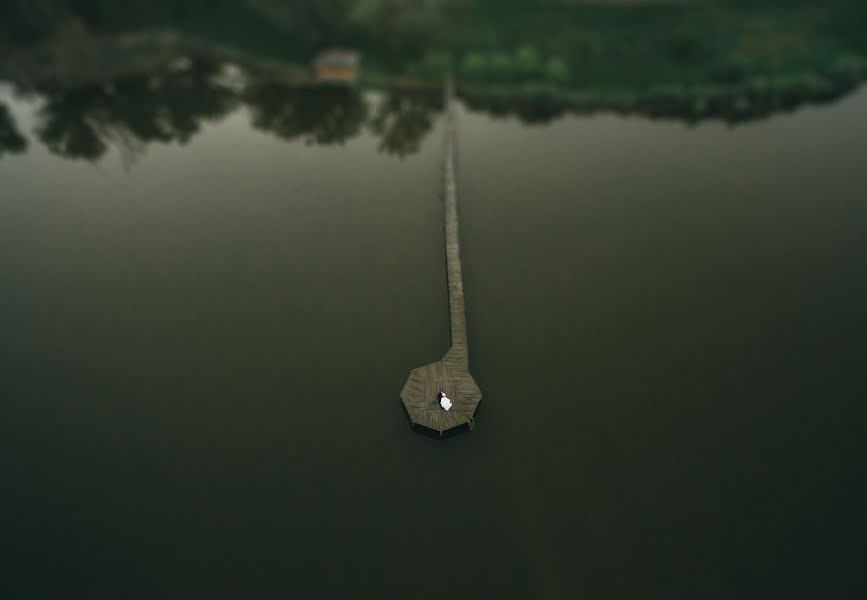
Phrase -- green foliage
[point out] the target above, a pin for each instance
(474, 66)
(501, 66)
(528, 64)
(437, 64)
(802, 84)
(405, 25)
(848, 68)
(689, 44)
(433, 66)
(557, 70)
(759, 85)
(27, 20)
(525, 65)
(668, 93)
(734, 69)
(759, 47)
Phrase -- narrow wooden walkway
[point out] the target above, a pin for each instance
(452, 373)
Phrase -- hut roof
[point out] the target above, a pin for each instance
(338, 58)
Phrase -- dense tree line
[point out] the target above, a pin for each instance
(30, 20)
(395, 23)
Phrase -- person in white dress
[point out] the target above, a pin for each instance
(445, 402)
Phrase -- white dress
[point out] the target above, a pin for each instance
(445, 402)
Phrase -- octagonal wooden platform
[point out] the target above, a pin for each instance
(419, 396)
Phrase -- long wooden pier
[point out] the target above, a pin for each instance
(451, 374)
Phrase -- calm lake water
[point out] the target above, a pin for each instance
(202, 348)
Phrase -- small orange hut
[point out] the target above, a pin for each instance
(337, 66)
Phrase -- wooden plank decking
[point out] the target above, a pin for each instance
(450, 374)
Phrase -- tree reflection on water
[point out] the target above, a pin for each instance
(317, 114)
(171, 106)
(172, 103)
(11, 141)
(402, 121)
(132, 112)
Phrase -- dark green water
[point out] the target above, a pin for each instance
(201, 352)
